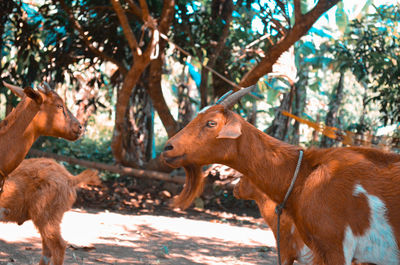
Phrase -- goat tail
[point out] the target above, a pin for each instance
(194, 184)
(85, 177)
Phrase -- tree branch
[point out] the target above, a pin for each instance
(294, 34)
(145, 10)
(130, 37)
(86, 40)
(297, 11)
(135, 9)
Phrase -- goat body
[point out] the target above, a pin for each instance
(291, 244)
(40, 112)
(344, 202)
(42, 190)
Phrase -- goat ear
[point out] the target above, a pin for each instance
(232, 129)
(18, 91)
(33, 95)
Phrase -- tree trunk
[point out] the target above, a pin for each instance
(123, 98)
(186, 110)
(365, 100)
(154, 88)
(155, 92)
(300, 101)
(280, 124)
(299, 105)
(203, 88)
(252, 115)
(137, 133)
(331, 119)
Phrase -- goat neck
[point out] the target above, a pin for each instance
(17, 134)
(270, 163)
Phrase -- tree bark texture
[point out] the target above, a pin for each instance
(332, 115)
(280, 124)
(186, 111)
(123, 98)
(299, 105)
(154, 87)
(137, 133)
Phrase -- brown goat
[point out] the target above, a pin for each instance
(40, 112)
(292, 246)
(42, 190)
(344, 201)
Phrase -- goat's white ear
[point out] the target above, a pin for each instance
(18, 91)
(232, 129)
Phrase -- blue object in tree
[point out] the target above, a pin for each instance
(194, 73)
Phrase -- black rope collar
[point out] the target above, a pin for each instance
(281, 206)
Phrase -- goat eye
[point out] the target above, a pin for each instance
(211, 124)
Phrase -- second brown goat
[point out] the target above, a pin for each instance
(42, 190)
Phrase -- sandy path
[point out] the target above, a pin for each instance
(112, 238)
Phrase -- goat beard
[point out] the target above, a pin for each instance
(194, 184)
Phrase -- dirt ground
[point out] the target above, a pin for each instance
(113, 238)
(129, 221)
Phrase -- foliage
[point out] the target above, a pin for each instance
(370, 48)
(85, 148)
(198, 26)
(22, 39)
(43, 43)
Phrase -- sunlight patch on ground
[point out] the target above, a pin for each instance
(112, 238)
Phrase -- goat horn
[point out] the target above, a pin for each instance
(41, 89)
(44, 87)
(224, 96)
(47, 86)
(229, 101)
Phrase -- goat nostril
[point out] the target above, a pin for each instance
(168, 147)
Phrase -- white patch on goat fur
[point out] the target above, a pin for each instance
(305, 256)
(292, 229)
(46, 259)
(378, 244)
(3, 213)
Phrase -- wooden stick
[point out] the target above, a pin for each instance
(128, 171)
(141, 173)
